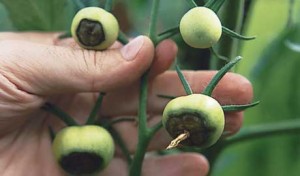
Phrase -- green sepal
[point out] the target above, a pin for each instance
(236, 35)
(214, 5)
(168, 33)
(227, 108)
(215, 80)
(166, 96)
(191, 3)
(184, 82)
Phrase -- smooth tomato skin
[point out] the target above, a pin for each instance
(89, 138)
(108, 21)
(208, 126)
(200, 27)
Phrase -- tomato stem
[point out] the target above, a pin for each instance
(265, 130)
(79, 4)
(153, 21)
(108, 5)
(231, 16)
(181, 137)
(118, 139)
(144, 133)
(215, 5)
(93, 115)
(122, 38)
(167, 34)
(66, 118)
(191, 3)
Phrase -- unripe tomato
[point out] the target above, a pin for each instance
(81, 150)
(200, 27)
(200, 115)
(94, 28)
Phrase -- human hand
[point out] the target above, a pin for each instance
(35, 68)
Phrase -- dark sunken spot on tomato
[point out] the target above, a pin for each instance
(194, 123)
(90, 33)
(81, 163)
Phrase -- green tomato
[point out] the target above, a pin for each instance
(82, 150)
(200, 115)
(94, 28)
(200, 27)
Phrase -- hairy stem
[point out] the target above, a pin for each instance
(144, 133)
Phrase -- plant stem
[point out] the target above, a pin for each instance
(153, 21)
(290, 20)
(144, 133)
(108, 5)
(92, 117)
(118, 139)
(79, 4)
(231, 16)
(265, 130)
(191, 3)
(122, 38)
(167, 34)
(252, 132)
(60, 114)
(155, 128)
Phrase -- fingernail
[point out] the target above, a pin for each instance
(130, 50)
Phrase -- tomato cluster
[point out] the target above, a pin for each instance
(87, 149)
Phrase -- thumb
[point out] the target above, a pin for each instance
(45, 70)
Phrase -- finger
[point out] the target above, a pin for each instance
(232, 89)
(187, 164)
(233, 123)
(67, 42)
(117, 166)
(162, 60)
(165, 53)
(45, 70)
(70, 42)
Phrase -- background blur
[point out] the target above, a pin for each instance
(271, 62)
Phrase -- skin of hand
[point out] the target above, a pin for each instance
(37, 67)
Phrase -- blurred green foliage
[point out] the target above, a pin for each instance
(271, 62)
